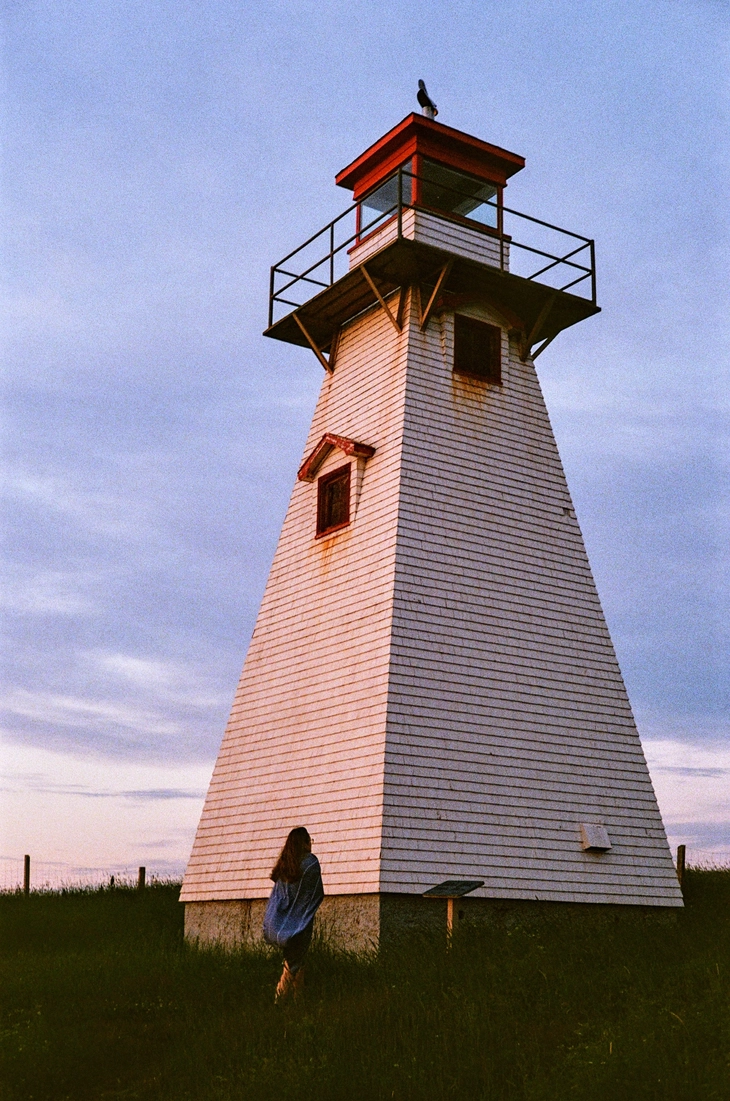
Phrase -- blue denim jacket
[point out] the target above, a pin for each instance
(292, 906)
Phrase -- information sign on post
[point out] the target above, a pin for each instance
(451, 889)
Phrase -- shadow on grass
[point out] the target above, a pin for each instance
(102, 999)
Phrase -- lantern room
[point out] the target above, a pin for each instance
(438, 168)
(429, 215)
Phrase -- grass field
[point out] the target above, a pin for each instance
(101, 999)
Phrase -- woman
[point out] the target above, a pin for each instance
(290, 910)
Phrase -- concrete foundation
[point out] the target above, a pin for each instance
(365, 923)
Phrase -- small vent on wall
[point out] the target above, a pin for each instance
(594, 838)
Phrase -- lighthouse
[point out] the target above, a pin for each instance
(430, 688)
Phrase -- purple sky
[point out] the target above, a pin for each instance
(159, 157)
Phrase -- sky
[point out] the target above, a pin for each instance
(159, 157)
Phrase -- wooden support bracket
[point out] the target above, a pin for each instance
(401, 305)
(325, 363)
(334, 349)
(537, 327)
(393, 320)
(543, 346)
(443, 275)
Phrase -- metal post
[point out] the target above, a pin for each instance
(593, 277)
(271, 297)
(681, 856)
(26, 875)
(500, 229)
(400, 203)
(141, 878)
(332, 253)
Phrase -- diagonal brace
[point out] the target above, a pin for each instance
(329, 369)
(543, 346)
(393, 320)
(426, 315)
(537, 327)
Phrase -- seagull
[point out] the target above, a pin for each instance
(430, 109)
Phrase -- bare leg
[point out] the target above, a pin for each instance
(285, 983)
(290, 983)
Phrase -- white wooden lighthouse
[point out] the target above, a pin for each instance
(430, 688)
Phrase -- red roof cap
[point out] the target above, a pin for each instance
(417, 134)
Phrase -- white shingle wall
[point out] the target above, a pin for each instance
(508, 721)
(458, 239)
(306, 737)
(458, 611)
(453, 237)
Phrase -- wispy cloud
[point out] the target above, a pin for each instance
(47, 707)
(100, 512)
(692, 782)
(48, 592)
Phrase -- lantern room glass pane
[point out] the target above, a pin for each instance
(382, 203)
(456, 193)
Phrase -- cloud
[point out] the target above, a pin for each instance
(94, 512)
(46, 707)
(692, 784)
(166, 680)
(47, 592)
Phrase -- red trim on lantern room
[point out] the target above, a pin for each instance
(418, 136)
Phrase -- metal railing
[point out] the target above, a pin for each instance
(322, 259)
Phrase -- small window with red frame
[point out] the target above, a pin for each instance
(333, 500)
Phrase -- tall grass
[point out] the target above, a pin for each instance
(101, 999)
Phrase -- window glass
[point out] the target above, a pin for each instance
(477, 349)
(333, 500)
(382, 203)
(456, 193)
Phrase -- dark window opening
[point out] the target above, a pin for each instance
(477, 349)
(333, 500)
(456, 193)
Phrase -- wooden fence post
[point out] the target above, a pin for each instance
(681, 854)
(140, 878)
(26, 875)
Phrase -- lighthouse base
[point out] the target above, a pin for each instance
(366, 923)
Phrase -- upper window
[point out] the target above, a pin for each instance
(333, 500)
(477, 349)
(456, 193)
(382, 203)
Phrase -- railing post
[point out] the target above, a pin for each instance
(271, 297)
(332, 253)
(500, 229)
(400, 203)
(26, 875)
(593, 271)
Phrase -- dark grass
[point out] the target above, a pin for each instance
(101, 999)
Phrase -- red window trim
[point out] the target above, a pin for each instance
(308, 470)
(321, 483)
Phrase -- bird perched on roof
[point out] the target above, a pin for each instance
(430, 109)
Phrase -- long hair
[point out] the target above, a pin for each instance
(289, 865)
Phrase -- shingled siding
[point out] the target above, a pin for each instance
(441, 232)
(432, 690)
(306, 738)
(508, 721)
